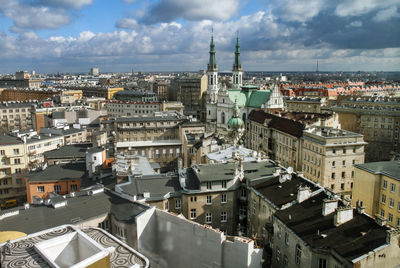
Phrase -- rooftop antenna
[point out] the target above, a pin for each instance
(317, 66)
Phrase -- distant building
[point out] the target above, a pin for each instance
(94, 71)
(305, 104)
(16, 116)
(135, 96)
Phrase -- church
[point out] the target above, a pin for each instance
(221, 101)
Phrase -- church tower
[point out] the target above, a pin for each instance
(237, 71)
(212, 73)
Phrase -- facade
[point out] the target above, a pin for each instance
(190, 91)
(377, 187)
(377, 119)
(305, 104)
(16, 116)
(13, 165)
(321, 231)
(94, 71)
(329, 155)
(161, 89)
(135, 96)
(60, 179)
(21, 83)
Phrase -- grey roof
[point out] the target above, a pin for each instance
(95, 149)
(69, 151)
(42, 137)
(69, 171)
(387, 168)
(226, 154)
(225, 171)
(71, 131)
(79, 208)
(157, 185)
(148, 118)
(7, 139)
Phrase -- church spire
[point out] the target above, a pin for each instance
(212, 64)
(237, 66)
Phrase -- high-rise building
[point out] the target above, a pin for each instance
(94, 71)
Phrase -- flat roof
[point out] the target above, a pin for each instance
(351, 240)
(7, 139)
(69, 151)
(69, 171)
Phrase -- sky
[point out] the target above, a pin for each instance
(52, 36)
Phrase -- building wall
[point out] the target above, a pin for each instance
(367, 190)
(12, 167)
(16, 117)
(32, 188)
(36, 149)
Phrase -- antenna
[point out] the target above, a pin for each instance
(317, 66)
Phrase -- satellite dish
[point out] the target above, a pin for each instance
(289, 170)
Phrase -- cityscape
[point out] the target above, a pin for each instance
(226, 133)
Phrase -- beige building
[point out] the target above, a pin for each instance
(13, 165)
(329, 155)
(16, 115)
(377, 186)
(117, 108)
(377, 119)
(305, 104)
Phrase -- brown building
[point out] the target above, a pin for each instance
(161, 88)
(60, 179)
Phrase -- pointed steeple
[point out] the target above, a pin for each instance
(237, 66)
(212, 64)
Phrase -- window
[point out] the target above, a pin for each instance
(243, 193)
(343, 175)
(19, 181)
(384, 184)
(223, 184)
(208, 217)
(298, 254)
(279, 232)
(2, 152)
(333, 163)
(40, 189)
(333, 151)
(342, 186)
(278, 254)
(344, 151)
(382, 213)
(392, 187)
(223, 216)
(333, 175)
(383, 199)
(57, 188)
(223, 198)
(120, 231)
(286, 238)
(193, 199)
(390, 217)
(344, 162)
(208, 200)
(391, 202)
(178, 204)
(16, 151)
(193, 213)
(322, 263)
(17, 161)
(74, 187)
(398, 221)
(209, 185)
(352, 173)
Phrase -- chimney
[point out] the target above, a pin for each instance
(359, 207)
(343, 215)
(381, 221)
(329, 206)
(303, 193)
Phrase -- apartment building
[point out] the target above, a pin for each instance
(329, 155)
(16, 115)
(161, 89)
(135, 96)
(323, 232)
(377, 119)
(305, 104)
(377, 188)
(190, 90)
(13, 165)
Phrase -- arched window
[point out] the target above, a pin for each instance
(223, 118)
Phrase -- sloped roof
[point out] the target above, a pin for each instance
(249, 98)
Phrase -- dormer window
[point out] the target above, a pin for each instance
(223, 183)
(209, 185)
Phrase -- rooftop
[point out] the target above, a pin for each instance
(6, 139)
(81, 208)
(386, 168)
(222, 156)
(351, 239)
(69, 171)
(24, 254)
(69, 151)
(329, 132)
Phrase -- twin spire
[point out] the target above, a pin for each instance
(212, 64)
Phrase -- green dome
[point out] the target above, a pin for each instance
(235, 123)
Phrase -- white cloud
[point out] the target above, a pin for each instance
(386, 14)
(356, 23)
(130, 1)
(127, 23)
(67, 3)
(300, 10)
(360, 7)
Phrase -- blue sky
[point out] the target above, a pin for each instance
(173, 35)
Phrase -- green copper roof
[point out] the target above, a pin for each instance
(249, 98)
(212, 64)
(235, 122)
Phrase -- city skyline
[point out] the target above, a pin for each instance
(172, 35)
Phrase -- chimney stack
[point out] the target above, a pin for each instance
(381, 221)
(343, 215)
(329, 206)
(303, 193)
(359, 207)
